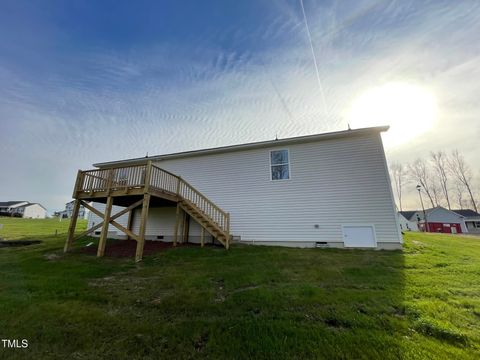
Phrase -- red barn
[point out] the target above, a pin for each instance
(443, 220)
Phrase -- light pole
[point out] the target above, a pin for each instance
(419, 188)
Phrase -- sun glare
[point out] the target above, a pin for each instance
(409, 109)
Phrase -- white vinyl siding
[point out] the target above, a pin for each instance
(94, 219)
(160, 224)
(336, 181)
(34, 211)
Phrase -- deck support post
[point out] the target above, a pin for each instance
(71, 227)
(129, 222)
(177, 224)
(186, 227)
(227, 239)
(202, 237)
(106, 222)
(143, 225)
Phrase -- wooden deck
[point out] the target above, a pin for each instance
(146, 186)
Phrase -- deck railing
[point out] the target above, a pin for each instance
(150, 176)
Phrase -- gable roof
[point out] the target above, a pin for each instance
(19, 204)
(430, 211)
(11, 203)
(467, 213)
(249, 146)
(30, 204)
(408, 214)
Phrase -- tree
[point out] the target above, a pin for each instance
(459, 194)
(420, 173)
(398, 174)
(439, 162)
(461, 171)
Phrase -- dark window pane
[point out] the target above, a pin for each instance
(279, 157)
(280, 172)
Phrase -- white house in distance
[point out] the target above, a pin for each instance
(442, 220)
(23, 209)
(471, 219)
(408, 220)
(329, 190)
(67, 213)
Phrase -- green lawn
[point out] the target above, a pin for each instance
(250, 302)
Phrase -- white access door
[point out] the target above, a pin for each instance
(361, 236)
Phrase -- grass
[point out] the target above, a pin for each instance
(250, 302)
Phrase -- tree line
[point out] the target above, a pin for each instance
(446, 179)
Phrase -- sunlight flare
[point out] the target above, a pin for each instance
(409, 109)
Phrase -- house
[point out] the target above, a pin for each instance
(471, 219)
(442, 220)
(329, 190)
(23, 209)
(11, 208)
(408, 220)
(68, 212)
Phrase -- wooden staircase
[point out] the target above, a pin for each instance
(206, 222)
(140, 185)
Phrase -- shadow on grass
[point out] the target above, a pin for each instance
(249, 302)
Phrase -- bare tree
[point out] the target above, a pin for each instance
(459, 194)
(435, 190)
(420, 173)
(439, 161)
(461, 171)
(398, 174)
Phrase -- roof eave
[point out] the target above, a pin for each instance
(247, 146)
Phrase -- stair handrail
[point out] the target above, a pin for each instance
(107, 179)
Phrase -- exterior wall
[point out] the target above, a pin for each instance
(472, 226)
(113, 232)
(332, 182)
(34, 211)
(407, 225)
(444, 216)
(161, 225)
(444, 227)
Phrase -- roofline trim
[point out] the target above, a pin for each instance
(246, 146)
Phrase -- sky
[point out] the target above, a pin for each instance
(83, 82)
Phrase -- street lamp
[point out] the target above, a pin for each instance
(419, 188)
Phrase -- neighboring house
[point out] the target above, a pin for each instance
(471, 219)
(82, 212)
(443, 220)
(329, 189)
(408, 220)
(11, 208)
(23, 209)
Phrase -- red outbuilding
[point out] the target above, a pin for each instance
(441, 220)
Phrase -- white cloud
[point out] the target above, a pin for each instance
(105, 105)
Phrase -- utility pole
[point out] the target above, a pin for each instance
(419, 188)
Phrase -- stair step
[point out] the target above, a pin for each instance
(209, 224)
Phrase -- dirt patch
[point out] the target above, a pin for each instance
(51, 257)
(336, 323)
(220, 296)
(245, 288)
(16, 243)
(201, 341)
(127, 248)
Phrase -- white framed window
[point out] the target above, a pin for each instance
(279, 164)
